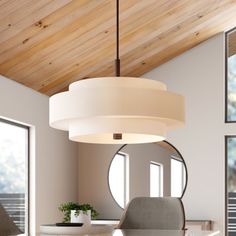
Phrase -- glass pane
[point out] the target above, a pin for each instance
(155, 180)
(231, 146)
(231, 106)
(231, 172)
(13, 171)
(117, 179)
(177, 178)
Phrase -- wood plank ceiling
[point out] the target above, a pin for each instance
(231, 41)
(47, 44)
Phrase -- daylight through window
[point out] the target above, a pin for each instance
(119, 178)
(14, 172)
(155, 180)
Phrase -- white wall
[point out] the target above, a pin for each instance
(198, 74)
(93, 162)
(54, 158)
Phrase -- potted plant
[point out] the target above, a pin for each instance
(76, 213)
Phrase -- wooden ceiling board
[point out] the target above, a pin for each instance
(64, 47)
(47, 44)
(184, 38)
(102, 42)
(132, 46)
(30, 44)
(69, 37)
(9, 6)
(232, 43)
(28, 15)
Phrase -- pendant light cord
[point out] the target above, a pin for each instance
(117, 136)
(117, 61)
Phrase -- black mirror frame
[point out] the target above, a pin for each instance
(184, 163)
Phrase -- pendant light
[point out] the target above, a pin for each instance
(116, 110)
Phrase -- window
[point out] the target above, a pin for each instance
(231, 184)
(14, 172)
(230, 141)
(230, 79)
(119, 178)
(178, 177)
(155, 180)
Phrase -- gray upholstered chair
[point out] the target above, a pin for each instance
(164, 213)
(7, 226)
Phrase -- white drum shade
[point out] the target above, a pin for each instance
(93, 110)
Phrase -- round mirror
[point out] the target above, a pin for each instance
(153, 169)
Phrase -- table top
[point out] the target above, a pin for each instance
(99, 230)
(148, 232)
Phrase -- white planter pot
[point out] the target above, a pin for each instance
(81, 217)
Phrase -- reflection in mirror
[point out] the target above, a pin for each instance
(156, 176)
(119, 178)
(153, 169)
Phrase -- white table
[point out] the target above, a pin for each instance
(65, 230)
(105, 230)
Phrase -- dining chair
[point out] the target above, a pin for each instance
(164, 213)
(7, 226)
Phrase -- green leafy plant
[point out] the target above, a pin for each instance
(65, 208)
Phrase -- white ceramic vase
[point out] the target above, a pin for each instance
(80, 217)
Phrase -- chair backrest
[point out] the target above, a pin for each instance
(7, 226)
(165, 213)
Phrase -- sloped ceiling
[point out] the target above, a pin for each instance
(47, 44)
